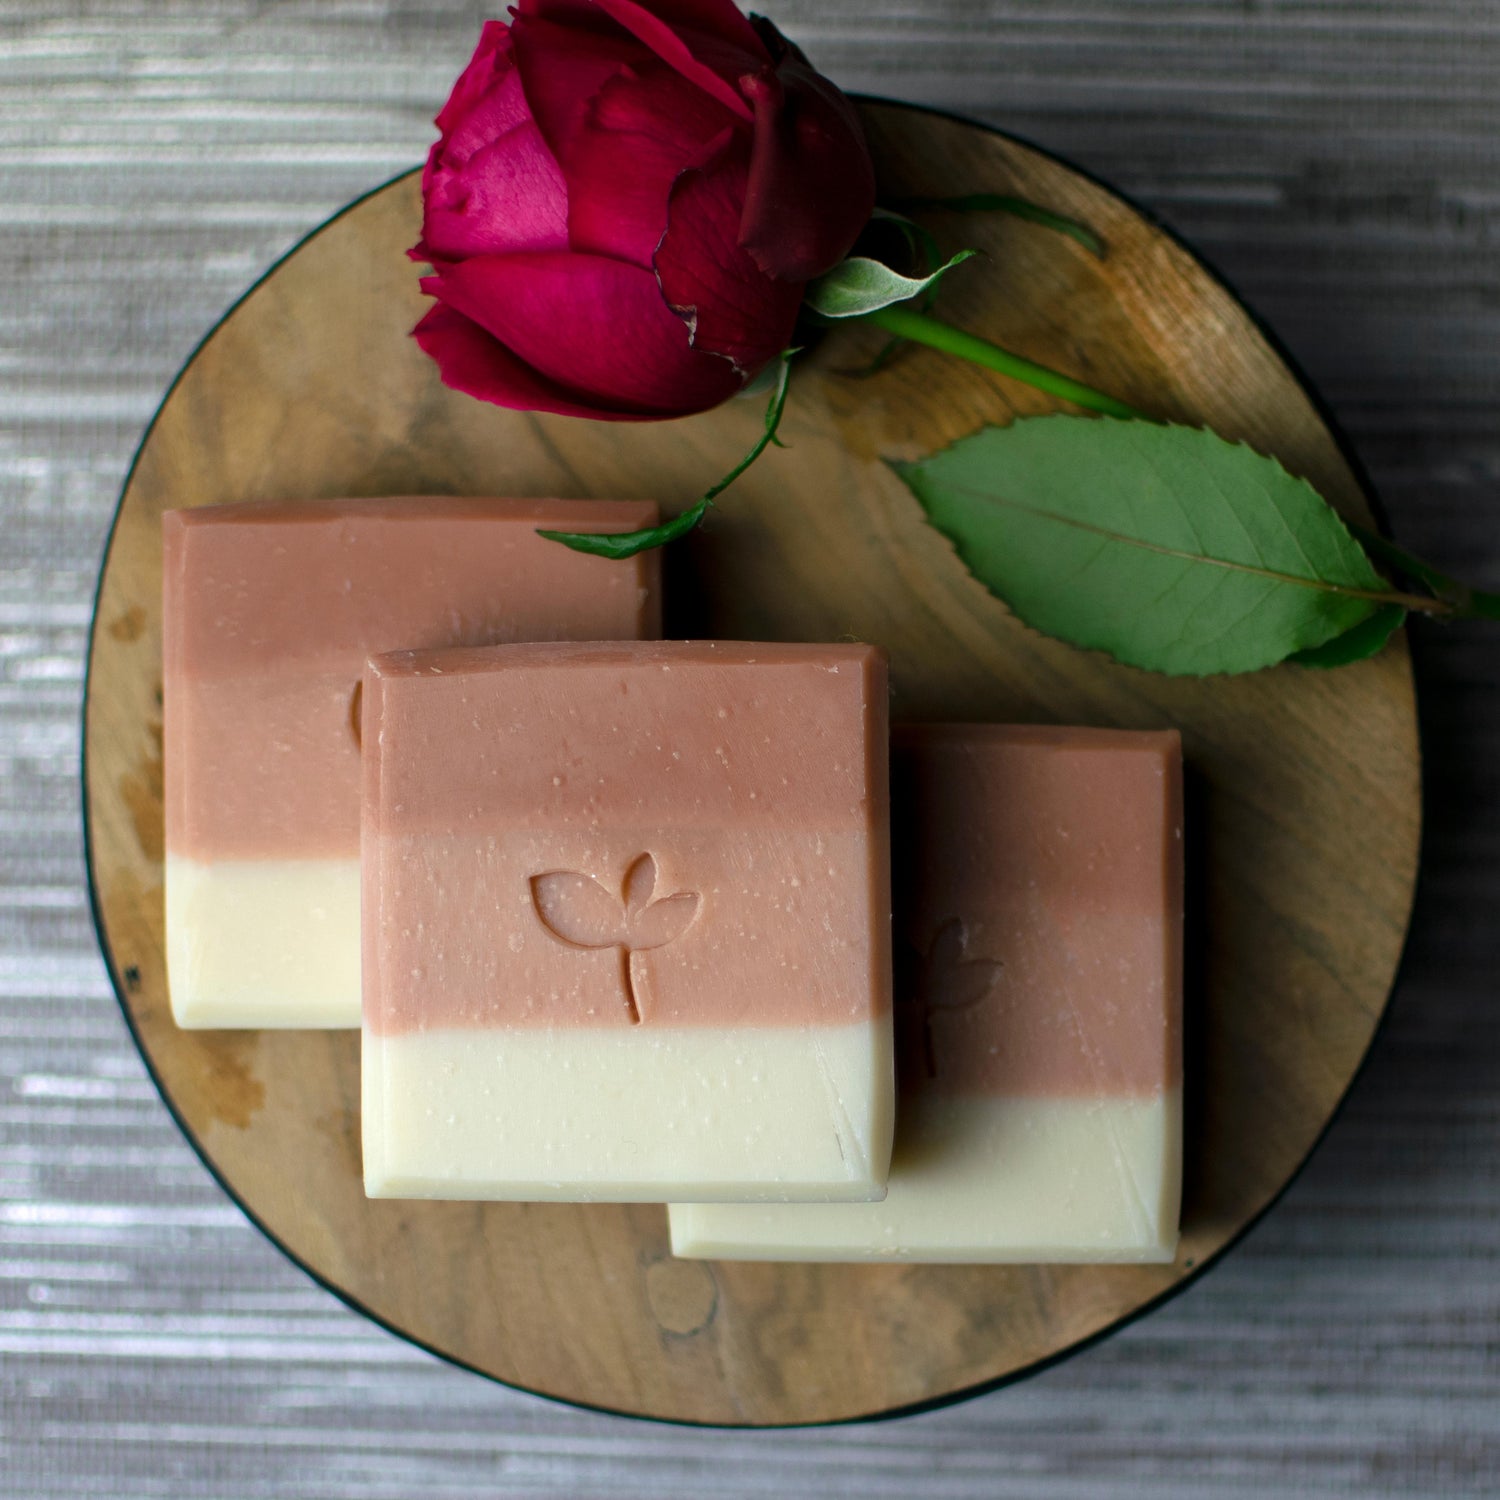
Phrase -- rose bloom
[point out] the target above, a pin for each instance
(625, 203)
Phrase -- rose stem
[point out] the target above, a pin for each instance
(907, 323)
(1462, 602)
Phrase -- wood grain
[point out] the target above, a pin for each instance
(1306, 788)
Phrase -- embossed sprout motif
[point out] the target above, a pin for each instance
(943, 979)
(580, 912)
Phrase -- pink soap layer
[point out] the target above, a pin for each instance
(270, 609)
(673, 834)
(1038, 909)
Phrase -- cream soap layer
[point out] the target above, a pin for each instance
(639, 1115)
(263, 942)
(983, 1179)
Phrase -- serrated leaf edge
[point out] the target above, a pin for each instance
(909, 472)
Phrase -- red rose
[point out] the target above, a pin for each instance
(625, 202)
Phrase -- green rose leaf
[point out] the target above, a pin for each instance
(1166, 547)
(1368, 637)
(860, 285)
(622, 544)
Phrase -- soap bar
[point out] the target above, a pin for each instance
(1038, 919)
(268, 613)
(627, 928)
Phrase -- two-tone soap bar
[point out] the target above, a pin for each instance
(269, 612)
(627, 923)
(1039, 932)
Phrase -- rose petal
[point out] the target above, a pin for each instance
(562, 68)
(719, 20)
(709, 42)
(812, 184)
(479, 365)
(490, 183)
(480, 90)
(716, 18)
(491, 58)
(509, 196)
(598, 328)
(677, 43)
(732, 307)
(499, 108)
(645, 129)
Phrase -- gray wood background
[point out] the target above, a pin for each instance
(1340, 162)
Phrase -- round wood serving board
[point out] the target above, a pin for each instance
(1304, 786)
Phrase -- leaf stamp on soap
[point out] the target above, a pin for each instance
(577, 910)
(943, 979)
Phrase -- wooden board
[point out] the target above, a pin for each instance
(1304, 787)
